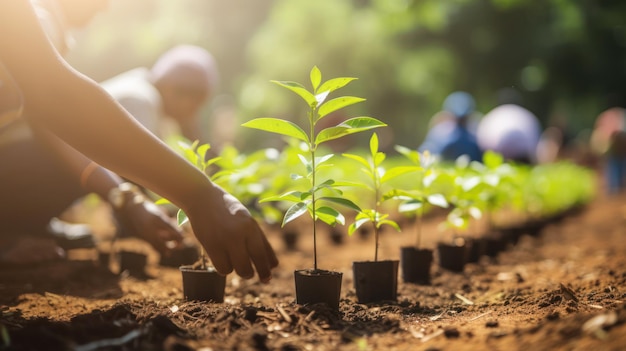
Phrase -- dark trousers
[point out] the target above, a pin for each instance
(615, 172)
(33, 188)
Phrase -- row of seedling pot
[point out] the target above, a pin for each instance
(467, 189)
(306, 179)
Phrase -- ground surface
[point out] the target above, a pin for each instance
(564, 289)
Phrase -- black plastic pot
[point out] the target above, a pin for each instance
(534, 227)
(104, 259)
(495, 244)
(511, 234)
(202, 284)
(133, 262)
(290, 238)
(453, 256)
(476, 248)
(416, 264)
(318, 286)
(183, 256)
(376, 280)
(336, 236)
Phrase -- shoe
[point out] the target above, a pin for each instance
(70, 235)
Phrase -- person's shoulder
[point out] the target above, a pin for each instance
(134, 83)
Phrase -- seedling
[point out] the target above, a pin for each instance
(416, 199)
(379, 179)
(495, 180)
(465, 197)
(196, 154)
(320, 197)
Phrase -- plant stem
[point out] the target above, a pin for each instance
(313, 211)
(420, 213)
(312, 146)
(376, 215)
(376, 239)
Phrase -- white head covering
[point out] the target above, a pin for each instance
(187, 65)
(510, 130)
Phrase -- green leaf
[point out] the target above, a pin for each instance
(410, 206)
(475, 212)
(328, 184)
(191, 156)
(322, 159)
(357, 224)
(291, 196)
(335, 83)
(306, 163)
(202, 150)
(357, 158)
(300, 90)
(469, 183)
(348, 183)
(181, 217)
(337, 104)
(162, 201)
(351, 126)
(278, 126)
(212, 161)
(492, 159)
(379, 157)
(492, 180)
(295, 211)
(343, 202)
(390, 223)
(437, 200)
(320, 98)
(295, 176)
(398, 171)
(316, 77)
(374, 145)
(329, 215)
(411, 154)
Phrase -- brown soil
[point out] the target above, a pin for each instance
(561, 290)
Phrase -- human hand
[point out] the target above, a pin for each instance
(230, 236)
(147, 221)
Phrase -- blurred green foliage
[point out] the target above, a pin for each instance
(565, 57)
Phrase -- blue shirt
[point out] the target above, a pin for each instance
(449, 140)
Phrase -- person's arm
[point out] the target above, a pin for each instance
(143, 218)
(79, 112)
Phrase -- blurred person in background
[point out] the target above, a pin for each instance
(608, 140)
(167, 97)
(450, 135)
(510, 130)
(78, 127)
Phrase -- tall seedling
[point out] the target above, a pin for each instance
(320, 197)
(379, 189)
(377, 280)
(416, 199)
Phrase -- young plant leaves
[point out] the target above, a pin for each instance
(278, 126)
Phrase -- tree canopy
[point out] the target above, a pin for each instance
(564, 58)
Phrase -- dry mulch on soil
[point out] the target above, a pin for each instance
(564, 289)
